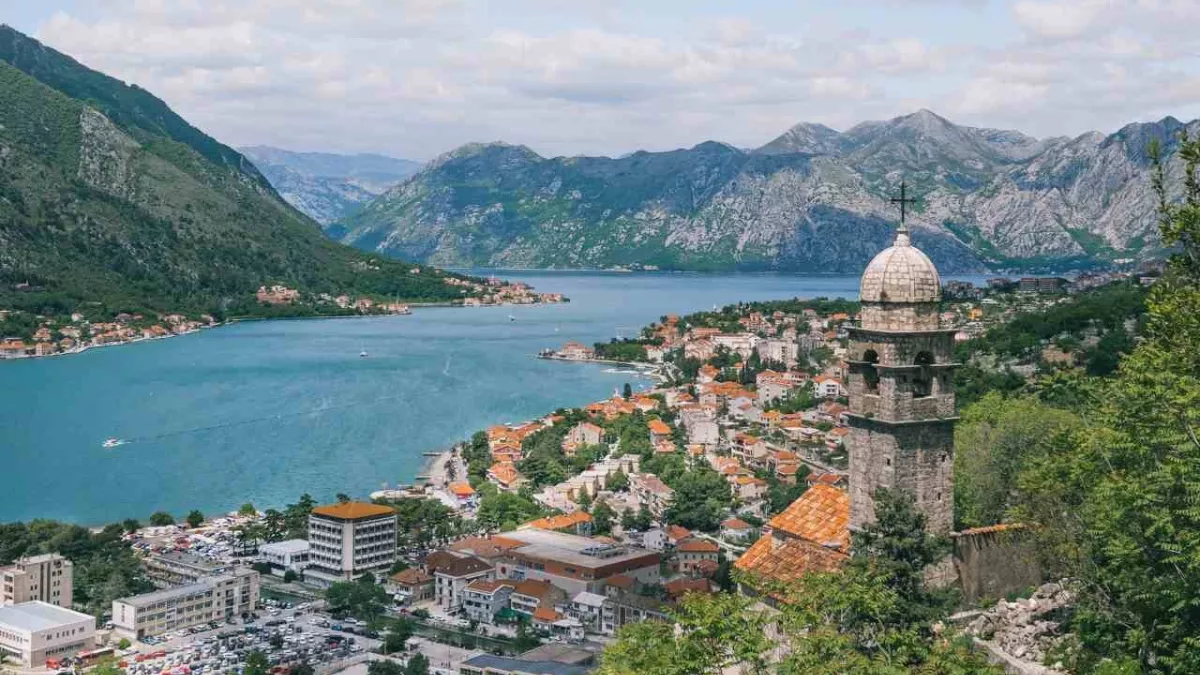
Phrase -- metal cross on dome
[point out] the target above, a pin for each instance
(903, 200)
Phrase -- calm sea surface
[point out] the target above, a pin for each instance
(265, 411)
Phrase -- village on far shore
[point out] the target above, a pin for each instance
(79, 331)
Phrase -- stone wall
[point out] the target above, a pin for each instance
(918, 458)
(995, 561)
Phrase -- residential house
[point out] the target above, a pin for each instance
(463, 493)
(582, 435)
(652, 492)
(533, 594)
(707, 374)
(577, 351)
(736, 530)
(676, 534)
(412, 585)
(572, 562)
(751, 450)
(750, 488)
(690, 552)
(659, 431)
(622, 607)
(588, 609)
(505, 476)
(453, 575)
(678, 588)
(825, 386)
(482, 600)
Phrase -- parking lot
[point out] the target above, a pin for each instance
(284, 635)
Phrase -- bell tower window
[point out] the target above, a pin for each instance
(870, 372)
(922, 384)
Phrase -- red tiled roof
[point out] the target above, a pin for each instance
(697, 545)
(785, 560)
(560, 522)
(821, 515)
(736, 524)
(680, 587)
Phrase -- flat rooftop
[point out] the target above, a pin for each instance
(285, 547)
(572, 548)
(147, 599)
(36, 615)
(353, 511)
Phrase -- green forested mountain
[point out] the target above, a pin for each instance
(107, 196)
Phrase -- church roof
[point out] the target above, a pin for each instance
(901, 273)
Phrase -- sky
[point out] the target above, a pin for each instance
(416, 78)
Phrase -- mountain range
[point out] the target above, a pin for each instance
(325, 186)
(814, 199)
(109, 198)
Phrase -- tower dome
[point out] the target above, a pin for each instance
(901, 274)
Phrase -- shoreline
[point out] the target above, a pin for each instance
(236, 320)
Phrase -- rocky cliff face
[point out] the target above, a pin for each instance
(328, 187)
(813, 199)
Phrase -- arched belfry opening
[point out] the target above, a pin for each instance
(870, 358)
(922, 381)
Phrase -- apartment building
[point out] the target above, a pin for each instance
(176, 568)
(31, 632)
(483, 600)
(215, 598)
(349, 539)
(573, 563)
(47, 578)
(284, 556)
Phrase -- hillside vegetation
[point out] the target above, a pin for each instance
(108, 198)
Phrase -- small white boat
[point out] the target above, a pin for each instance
(362, 354)
(511, 317)
(113, 442)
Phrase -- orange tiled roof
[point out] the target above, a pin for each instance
(561, 521)
(505, 472)
(677, 532)
(680, 587)
(353, 510)
(659, 427)
(785, 560)
(546, 614)
(821, 515)
(533, 588)
(462, 489)
(989, 529)
(697, 545)
(735, 524)
(484, 586)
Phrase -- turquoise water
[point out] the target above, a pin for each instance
(265, 411)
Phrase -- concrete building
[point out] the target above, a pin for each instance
(291, 554)
(483, 600)
(218, 598)
(452, 573)
(31, 632)
(48, 578)
(176, 568)
(346, 540)
(573, 563)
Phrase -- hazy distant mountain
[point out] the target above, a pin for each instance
(327, 186)
(813, 199)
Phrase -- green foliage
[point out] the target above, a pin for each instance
(362, 599)
(247, 509)
(161, 518)
(603, 516)
(1130, 481)
(993, 442)
(421, 523)
(131, 525)
(256, 664)
(289, 576)
(123, 644)
(702, 497)
(418, 664)
(478, 457)
(107, 666)
(195, 518)
(384, 667)
(622, 350)
(717, 631)
(617, 482)
(397, 635)
(780, 495)
(174, 222)
(503, 511)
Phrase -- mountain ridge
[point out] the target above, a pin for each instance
(808, 200)
(111, 201)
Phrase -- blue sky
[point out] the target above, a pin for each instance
(415, 78)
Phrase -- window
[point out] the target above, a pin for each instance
(870, 372)
(922, 384)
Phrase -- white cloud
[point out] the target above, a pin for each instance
(418, 77)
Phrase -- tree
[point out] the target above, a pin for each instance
(418, 664)
(644, 520)
(161, 518)
(716, 632)
(107, 666)
(992, 444)
(342, 497)
(617, 482)
(504, 511)
(363, 599)
(627, 392)
(289, 576)
(303, 668)
(247, 509)
(602, 517)
(131, 525)
(256, 664)
(276, 641)
(195, 518)
(384, 667)
(701, 498)
(124, 643)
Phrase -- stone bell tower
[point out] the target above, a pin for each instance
(901, 385)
